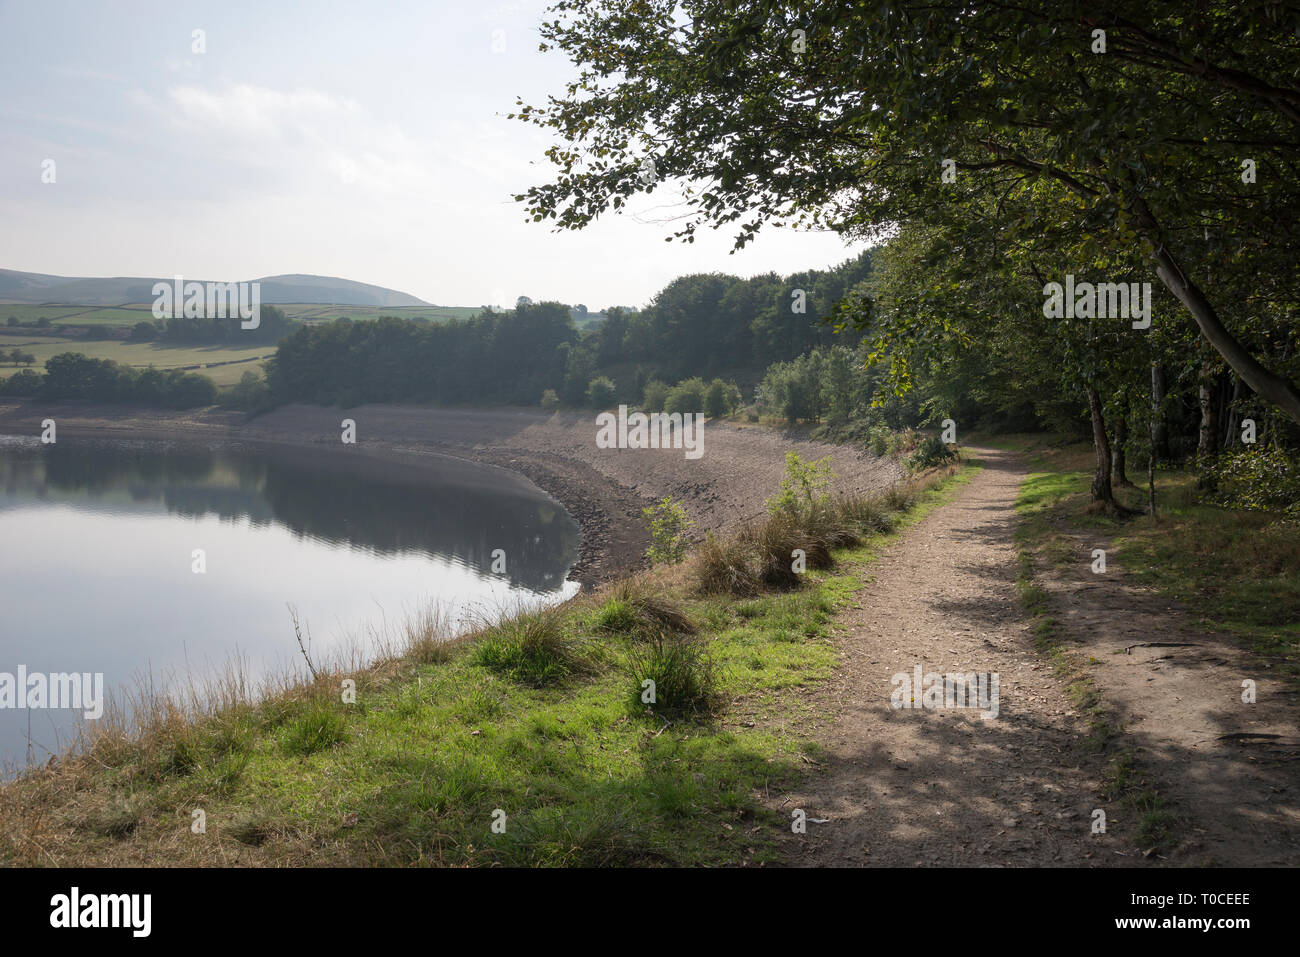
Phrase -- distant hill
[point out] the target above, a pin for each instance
(33, 287)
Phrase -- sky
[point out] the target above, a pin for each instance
(362, 140)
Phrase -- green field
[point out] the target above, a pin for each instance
(129, 314)
(140, 355)
(314, 312)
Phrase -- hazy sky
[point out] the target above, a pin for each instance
(362, 140)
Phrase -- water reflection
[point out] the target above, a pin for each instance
(97, 539)
(444, 508)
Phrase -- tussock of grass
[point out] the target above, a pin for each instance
(533, 648)
(870, 516)
(590, 835)
(316, 730)
(633, 609)
(252, 827)
(724, 567)
(119, 816)
(681, 673)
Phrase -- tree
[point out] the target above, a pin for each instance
(655, 396)
(922, 112)
(143, 331)
(686, 397)
(25, 382)
(720, 399)
(600, 393)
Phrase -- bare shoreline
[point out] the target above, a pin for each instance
(603, 489)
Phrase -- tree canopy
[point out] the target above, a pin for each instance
(1149, 138)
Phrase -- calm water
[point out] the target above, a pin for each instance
(97, 541)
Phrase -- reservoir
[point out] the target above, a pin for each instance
(168, 562)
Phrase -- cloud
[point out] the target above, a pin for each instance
(257, 111)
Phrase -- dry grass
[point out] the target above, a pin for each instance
(633, 606)
(765, 552)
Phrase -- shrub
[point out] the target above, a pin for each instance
(683, 676)
(931, 453)
(550, 401)
(250, 394)
(1263, 479)
(686, 397)
(654, 396)
(804, 485)
(600, 393)
(668, 525)
(143, 331)
(720, 399)
(26, 382)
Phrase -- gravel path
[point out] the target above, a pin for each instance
(919, 787)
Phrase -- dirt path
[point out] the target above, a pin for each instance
(909, 787)
(920, 787)
(1177, 690)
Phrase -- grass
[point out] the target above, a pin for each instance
(1236, 570)
(314, 312)
(129, 314)
(142, 354)
(534, 648)
(536, 721)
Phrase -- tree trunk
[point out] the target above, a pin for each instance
(1208, 441)
(1101, 490)
(1118, 458)
(1230, 426)
(1159, 431)
(1277, 389)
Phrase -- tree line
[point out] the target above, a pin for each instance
(696, 328)
(72, 375)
